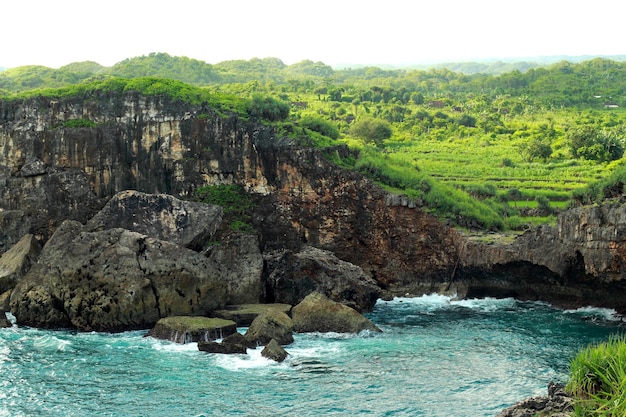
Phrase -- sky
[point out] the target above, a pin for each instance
(337, 32)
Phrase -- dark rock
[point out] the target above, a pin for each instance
(14, 224)
(186, 329)
(244, 314)
(271, 324)
(4, 321)
(113, 280)
(293, 276)
(33, 166)
(235, 343)
(215, 347)
(317, 313)
(17, 261)
(5, 298)
(558, 403)
(238, 260)
(45, 201)
(160, 216)
(238, 339)
(274, 351)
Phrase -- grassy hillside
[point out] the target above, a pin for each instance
(481, 151)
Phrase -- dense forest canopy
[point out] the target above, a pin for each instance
(483, 151)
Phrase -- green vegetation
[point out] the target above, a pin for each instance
(77, 123)
(236, 203)
(598, 379)
(482, 151)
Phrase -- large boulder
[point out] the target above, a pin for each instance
(244, 314)
(113, 280)
(160, 216)
(293, 276)
(239, 262)
(318, 313)
(186, 329)
(15, 262)
(274, 351)
(271, 324)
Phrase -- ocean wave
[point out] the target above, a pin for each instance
(434, 302)
(596, 313)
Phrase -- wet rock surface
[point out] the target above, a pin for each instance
(556, 404)
(185, 329)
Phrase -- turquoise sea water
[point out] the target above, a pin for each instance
(436, 357)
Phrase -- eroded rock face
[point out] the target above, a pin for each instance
(113, 280)
(293, 276)
(160, 216)
(581, 261)
(239, 262)
(17, 261)
(317, 313)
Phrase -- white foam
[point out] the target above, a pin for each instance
(237, 362)
(434, 302)
(166, 346)
(596, 313)
(51, 342)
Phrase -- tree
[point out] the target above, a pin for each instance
(320, 125)
(595, 145)
(372, 130)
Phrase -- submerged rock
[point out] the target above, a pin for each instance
(272, 324)
(235, 343)
(244, 314)
(186, 329)
(318, 313)
(274, 351)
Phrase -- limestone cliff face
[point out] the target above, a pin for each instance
(153, 144)
(581, 261)
(50, 173)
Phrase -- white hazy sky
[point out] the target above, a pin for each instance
(395, 32)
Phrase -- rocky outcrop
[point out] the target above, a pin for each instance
(558, 403)
(113, 280)
(274, 351)
(164, 217)
(292, 276)
(580, 261)
(238, 260)
(272, 324)
(317, 313)
(17, 261)
(184, 329)
(244, 314)
(50, 173)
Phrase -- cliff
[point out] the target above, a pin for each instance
(50, 172)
